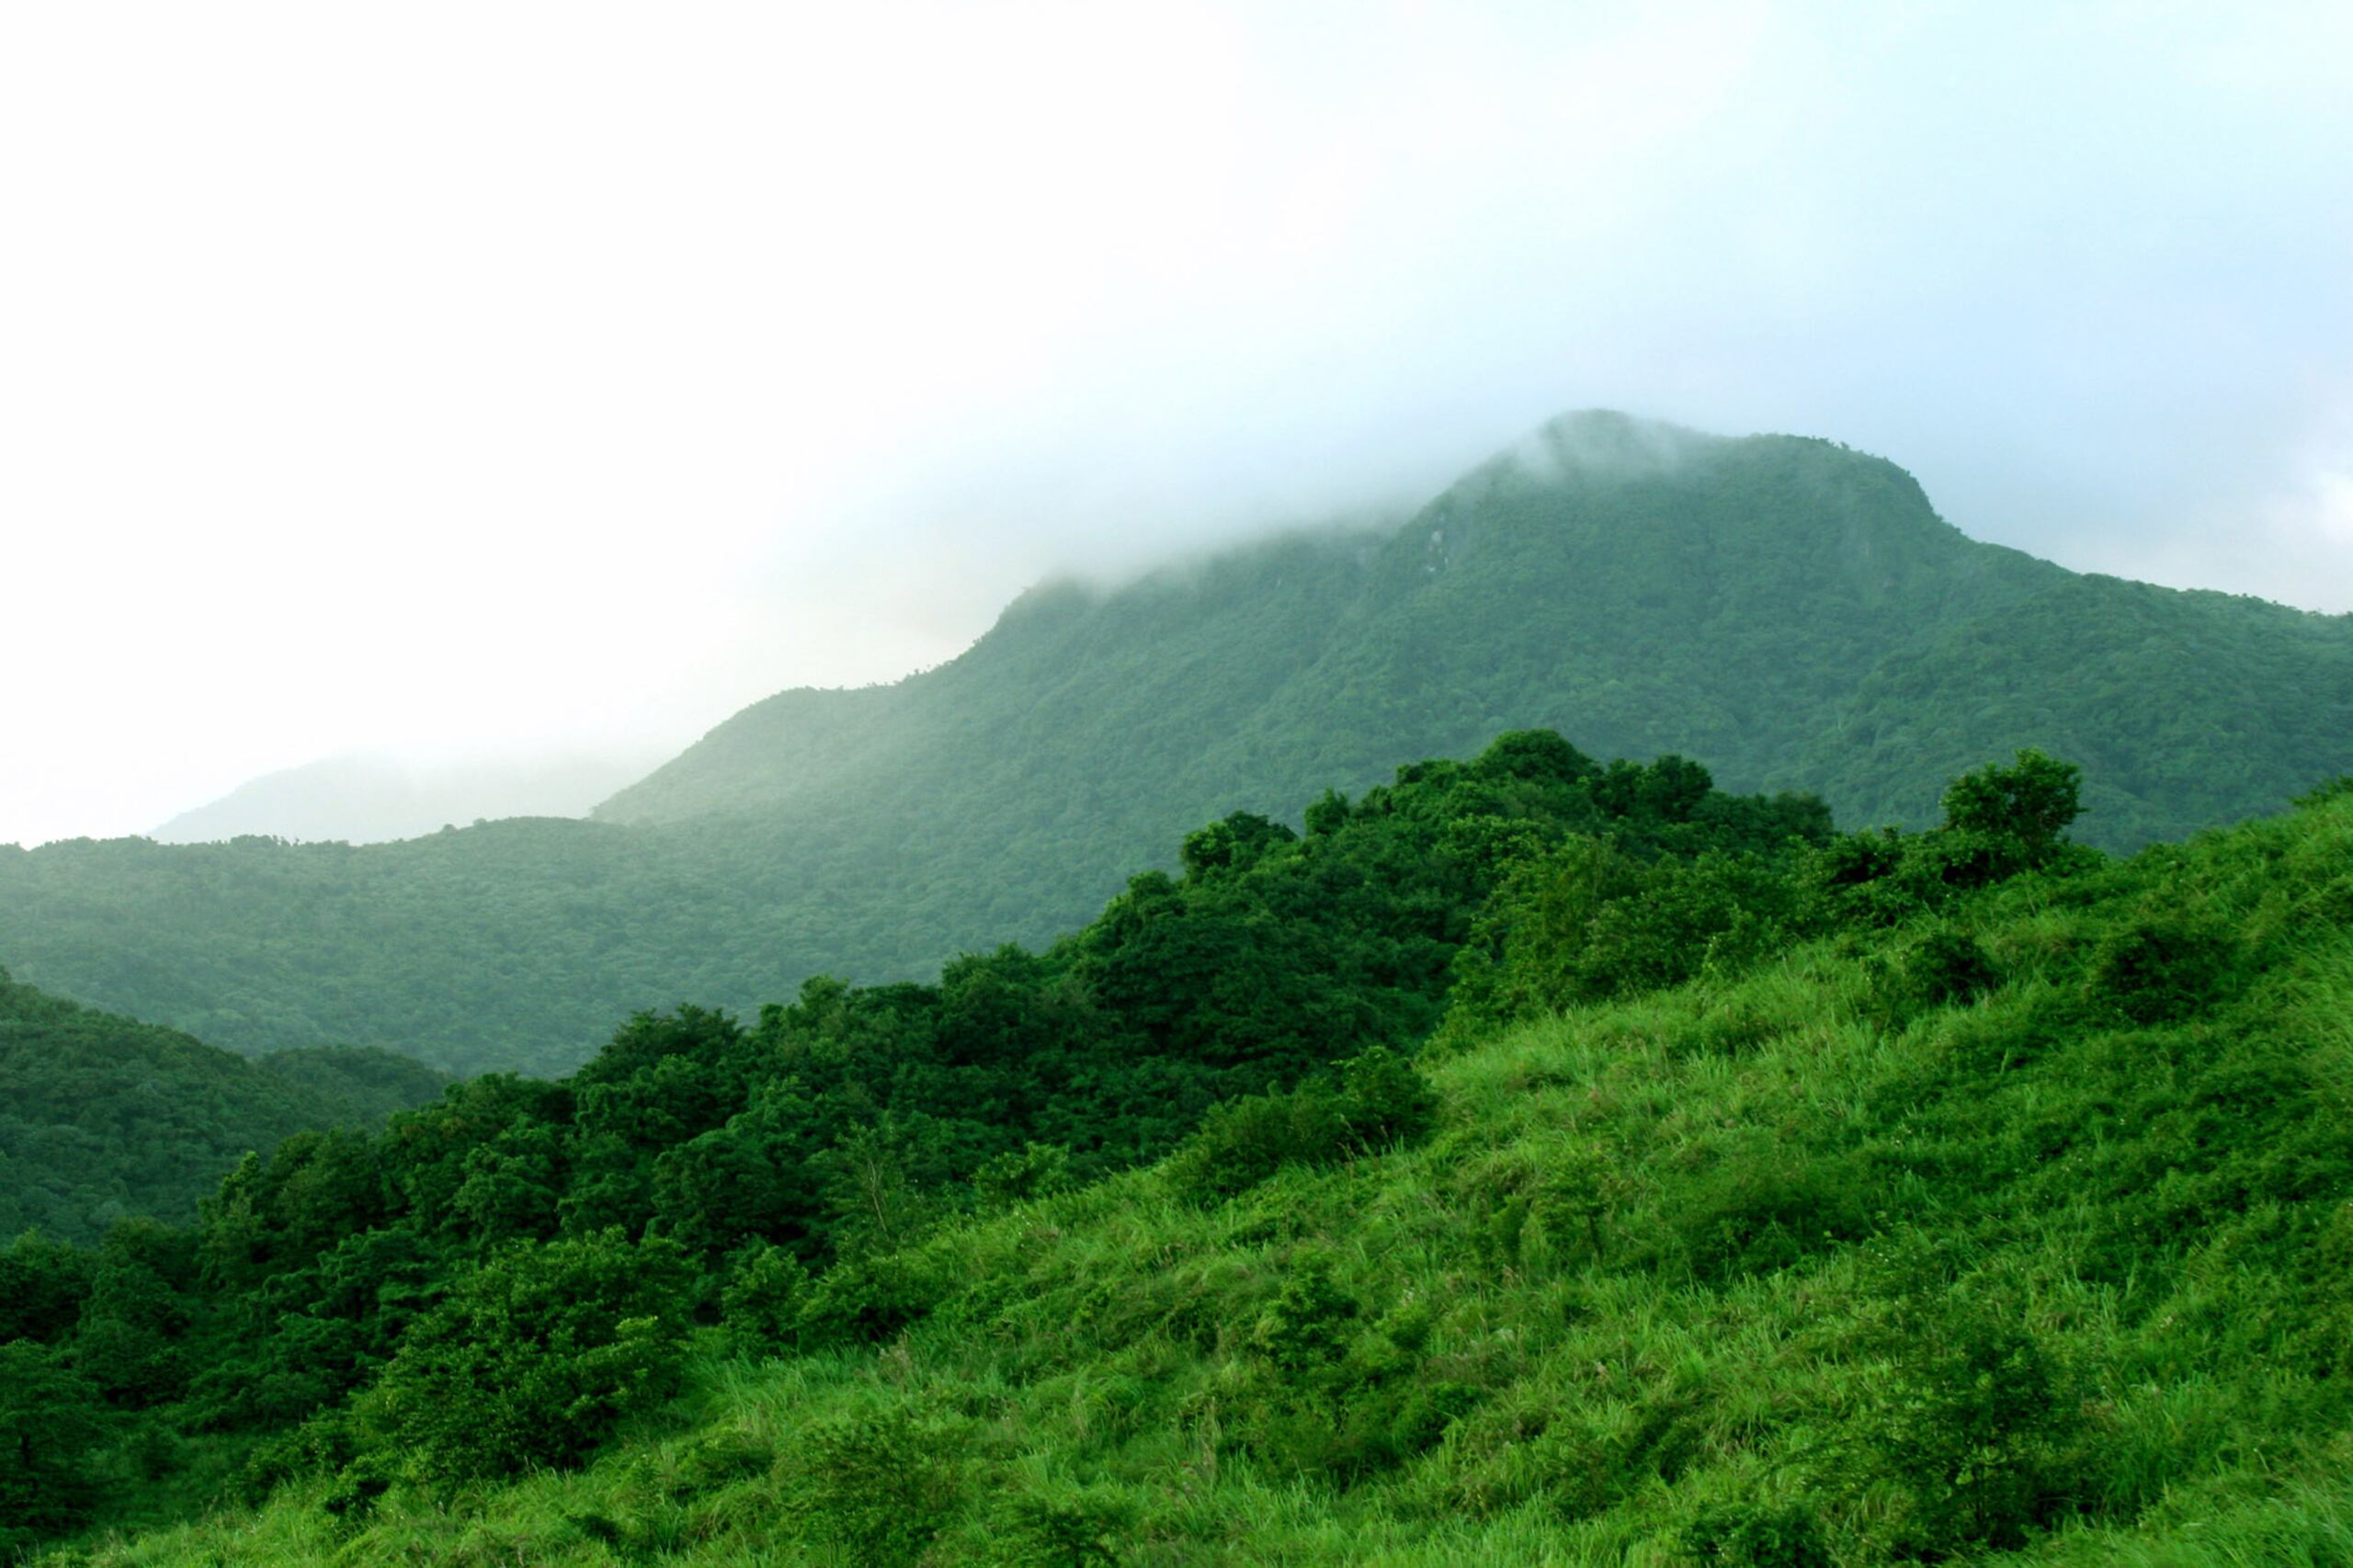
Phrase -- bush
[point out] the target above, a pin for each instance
(1946, 968)
(50, 1423)
(1062, 1526)
(1307, 1325)
(2026, 805)
(1751, 1535)
(879, 1486)
(1760, 1211)
(1978, 1425)
(533, 1360)
(2158, 970)
(761, 1303)
(1380, 1101)
(1038, 1170)
(871, 1296)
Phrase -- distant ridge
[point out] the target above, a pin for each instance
(1789, 610)
(373, 799)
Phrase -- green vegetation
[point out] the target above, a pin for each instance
(102, 1117)
(1791, 611)
(542, 1245)
(1763, 1197)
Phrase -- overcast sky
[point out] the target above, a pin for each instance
(451, 378)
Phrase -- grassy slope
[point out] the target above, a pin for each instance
(1775, 1166)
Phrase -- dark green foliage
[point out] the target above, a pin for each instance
(1063, 1527)
(1756, 1536)
(532, 1360)
(2030, 802)
(51, 1425)
(102, 1117)
(761, 1303)
(1945, 968)
(1978, 1427)
(2158, 969)
(1379, 1101)
(1761, 1208)
(1789, 610)
(42, 1285)
(1310, 1320)
(1901, 1230)
(324, 1445)
(1037, 1170)
(879, 1487)
(1592, 921)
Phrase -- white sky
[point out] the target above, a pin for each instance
(459, 378)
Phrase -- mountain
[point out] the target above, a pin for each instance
(372, 800)
(103, 1117)
(1790, 609)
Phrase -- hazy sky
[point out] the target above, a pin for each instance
(451, 378)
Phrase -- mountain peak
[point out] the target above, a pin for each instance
(1603, 442)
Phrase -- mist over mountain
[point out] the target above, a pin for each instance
(1790, 610)
(370, 798)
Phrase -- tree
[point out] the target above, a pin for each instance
(42, 1284)
(49, 1421)
(534, 1358)
(2030, 802)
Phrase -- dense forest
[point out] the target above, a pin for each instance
(103, 1117)
(1792, 611)
(1530, 1160)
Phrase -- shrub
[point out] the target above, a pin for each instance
(1307, 1323)
(880, 1487)
(2027, 804)
(1037, 1170)
(1978, 1425)
(50, 1423)
(1752, 1535)
(1946, 968)
(868, 1295)
(2157, 970)
(533, 1360)
(1381, 1100)
(1759, 1211)
(1062, 1526)
(760, 1305)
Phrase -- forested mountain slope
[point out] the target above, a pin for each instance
(102, 1117)
(1790, 609)
(1965, 1196)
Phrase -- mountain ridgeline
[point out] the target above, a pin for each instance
(1789, 610)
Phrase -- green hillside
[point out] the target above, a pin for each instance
(103, 1117)
(1960, 1196)
(1789, 610)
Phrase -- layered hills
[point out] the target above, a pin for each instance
(103, 1117)
(1790, 609)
